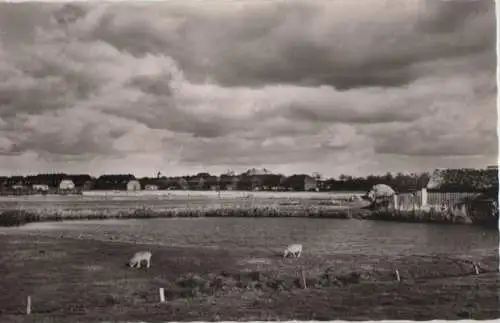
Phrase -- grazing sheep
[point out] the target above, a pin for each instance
(293, 249)
(139, 257)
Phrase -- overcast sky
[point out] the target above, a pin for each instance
(339, 86)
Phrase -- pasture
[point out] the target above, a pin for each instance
(88, 281)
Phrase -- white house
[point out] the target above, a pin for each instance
(66, 184)
(40, 187)
(18, 186)
(151, 187)
(133, 185)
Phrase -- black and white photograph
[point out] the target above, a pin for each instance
(249, 160)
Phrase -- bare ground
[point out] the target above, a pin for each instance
(87, 281)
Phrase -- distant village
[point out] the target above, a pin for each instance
(252, 180)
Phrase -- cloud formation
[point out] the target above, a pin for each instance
(328, 86)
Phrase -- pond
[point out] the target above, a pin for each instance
(318, 236)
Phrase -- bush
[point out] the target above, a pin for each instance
(16, 218)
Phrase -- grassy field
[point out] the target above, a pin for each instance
(17, 210)
(87, 281)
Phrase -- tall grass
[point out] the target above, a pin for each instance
(428, 216)
(18, 216)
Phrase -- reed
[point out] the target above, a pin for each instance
(17, 217)
(20, 216)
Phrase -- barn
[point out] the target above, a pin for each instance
(133, 185)
(40, 187)
(66, 184)
(151, 187)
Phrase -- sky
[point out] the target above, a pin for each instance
(335, 87)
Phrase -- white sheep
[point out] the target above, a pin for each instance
(293, 249)
(139, 257)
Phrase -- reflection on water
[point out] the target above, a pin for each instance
(318, 236)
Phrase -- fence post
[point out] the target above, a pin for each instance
(304, 284)
(395, 202)
(424, 198)
(162, 295)
(398, 278)
(476, 269)
(28, 306)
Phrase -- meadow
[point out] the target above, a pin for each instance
(227, 264)
(17, 210)
(85, 280)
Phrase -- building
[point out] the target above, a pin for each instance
(133, 185)
(66, 184)
(211, 183)
(229, 182)
(310, 183)
(256, 183)
(270, 182)
(152, 184)
(151, 187)
(300, 183)
(3, 184)
(113, 182)
(183, 184)
(88, 185)
(18, 186)
(40, 187)
(80, 180)
(196, 182)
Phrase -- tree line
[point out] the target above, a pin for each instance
(449, 180)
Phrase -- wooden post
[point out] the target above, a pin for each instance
(395, 201)
(476, 269)
(28, 306)
(424, 197)
(398, 278)
(304, 284)
(162, 295)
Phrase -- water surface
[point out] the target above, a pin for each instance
(319, 236)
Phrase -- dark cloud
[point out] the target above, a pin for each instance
(456, 145)
(69, 14)
(18, 21)
(155, 86)
(454, 134)
(450, 16)
(178, 121)
(58, 141)
(349, 115)
(299, 43)
(263, 83)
